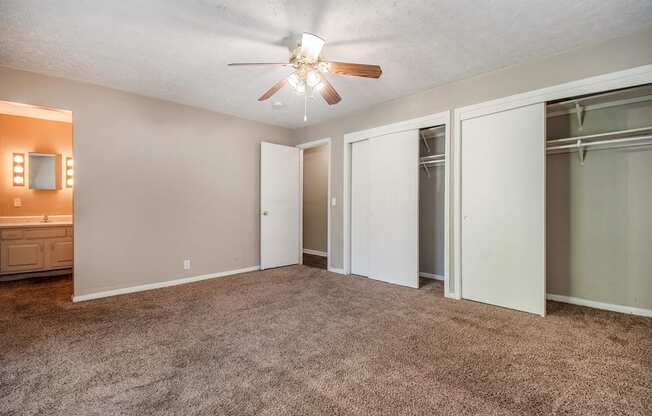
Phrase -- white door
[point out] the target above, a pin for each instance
(280, 204)
(394, 203)
(385, 208)
(503, 209)
(360, 177)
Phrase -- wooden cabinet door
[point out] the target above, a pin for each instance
(59, 253)
(21, 256)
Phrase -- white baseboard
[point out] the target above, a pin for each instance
(431, 276)
(315, 252)
(334, 270)
(168, 283)
(600, 305)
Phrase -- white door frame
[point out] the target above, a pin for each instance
(621, 79)
(308, 145)
(443, 118)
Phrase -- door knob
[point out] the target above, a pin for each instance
(265, 212)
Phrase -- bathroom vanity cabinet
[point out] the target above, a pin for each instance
(35, 247)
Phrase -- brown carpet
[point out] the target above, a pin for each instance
(302, 341)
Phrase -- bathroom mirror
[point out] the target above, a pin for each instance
(42, 171)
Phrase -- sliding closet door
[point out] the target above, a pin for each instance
(394, 208)
(503, 209)
(360, 177)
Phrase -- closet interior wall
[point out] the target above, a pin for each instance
(599, 227)
(431, 205)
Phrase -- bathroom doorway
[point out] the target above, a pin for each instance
(36, 196)
(316, 202)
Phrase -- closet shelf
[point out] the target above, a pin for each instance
(598, 135)
(604, 100)
(580, 144)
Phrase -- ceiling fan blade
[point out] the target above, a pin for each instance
(357, 70)
(328, 92)
(311, 46)
(258, 63)
(273, 90)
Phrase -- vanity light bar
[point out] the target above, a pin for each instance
(18, 169)
(70, 172)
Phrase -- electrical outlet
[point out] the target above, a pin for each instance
(186, 264)
(18, 203)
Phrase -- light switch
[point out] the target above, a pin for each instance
(333, 202)
(18, 203)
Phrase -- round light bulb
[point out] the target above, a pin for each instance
(18, 159)
(69, 172)
(293, 80)
(18, 169)
(18, 180)
(69, 182)
(69, 163)
(313, 79)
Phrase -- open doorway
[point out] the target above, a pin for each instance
(36, 195)
(315, 186)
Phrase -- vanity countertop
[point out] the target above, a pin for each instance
(31, 224)
(35, 221)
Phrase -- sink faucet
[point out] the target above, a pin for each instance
(45, 218)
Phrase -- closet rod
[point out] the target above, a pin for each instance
(433, 157)
(433, 163)
(600, 142)
(593, 136)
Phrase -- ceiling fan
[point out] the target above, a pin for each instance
(309, 69)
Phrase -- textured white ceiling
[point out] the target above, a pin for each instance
(178, 50)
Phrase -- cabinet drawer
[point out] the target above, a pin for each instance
(21, 256)
(45, 232)
(11, 234)
(59, 253)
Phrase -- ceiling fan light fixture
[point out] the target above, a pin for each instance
(313, 79)
(311, 46)
(294, 80)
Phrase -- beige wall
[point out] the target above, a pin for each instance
(615, 55)
(315, 198)
(156, 182)
(24, 135)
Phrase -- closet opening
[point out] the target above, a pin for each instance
(432, 191)
(315, 202)
(599, 197)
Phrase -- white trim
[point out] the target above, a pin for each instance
(314, 143)
(415, 123)
(335, 270)
(168, 283)
(615, 80)
(600, 305)
(431, 276)
(442, 118)
(611, 81)
(315, 252)
(308, 145)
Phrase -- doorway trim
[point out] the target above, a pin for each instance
(437, 119)
(307, 145)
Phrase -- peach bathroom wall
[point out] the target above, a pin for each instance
(24, 135)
